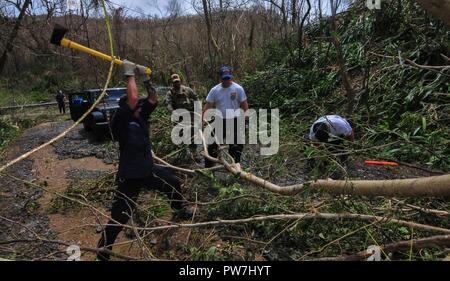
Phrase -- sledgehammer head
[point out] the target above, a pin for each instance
(58, 34)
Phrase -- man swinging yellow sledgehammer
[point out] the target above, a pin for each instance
(130, 127)
(59, 40)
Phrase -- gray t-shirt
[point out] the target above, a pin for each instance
(227, 98)
(339, 127)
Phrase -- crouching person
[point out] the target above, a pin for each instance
(332, 131)
(130, 127)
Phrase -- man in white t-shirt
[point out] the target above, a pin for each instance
(331, 129)
(227, 97)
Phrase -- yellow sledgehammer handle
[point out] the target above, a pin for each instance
(70, 44)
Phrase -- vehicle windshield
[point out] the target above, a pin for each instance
(112, 94)
(115, 94)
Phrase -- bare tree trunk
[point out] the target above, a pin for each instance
(294, 12)
(300, 28)
(118, 32)
(319, 8)
(252, 31)
(209, 30)
(320, 18)
(92, 60)
(13, 35)
(284, 20)
(341, 60)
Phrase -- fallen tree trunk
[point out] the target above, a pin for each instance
(436, 186)
(418, 187)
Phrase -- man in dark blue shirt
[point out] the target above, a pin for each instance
(130, 127)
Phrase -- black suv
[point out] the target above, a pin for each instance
(98, 120)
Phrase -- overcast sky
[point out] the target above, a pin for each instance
(159, 7)
(152, 7)
(140, 8)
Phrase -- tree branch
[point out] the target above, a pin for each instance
(439, 240)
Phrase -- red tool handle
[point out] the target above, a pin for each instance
(374, 162)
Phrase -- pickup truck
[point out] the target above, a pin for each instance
(98, 120)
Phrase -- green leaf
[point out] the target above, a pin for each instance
(211, 251)
(403, 230)
(405, 136)
(424, 123)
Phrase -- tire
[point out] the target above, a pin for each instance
(88, 124)
(97, 134)
(86, 127)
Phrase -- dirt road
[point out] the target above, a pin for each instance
(28, 212)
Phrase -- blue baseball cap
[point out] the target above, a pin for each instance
(225, 72)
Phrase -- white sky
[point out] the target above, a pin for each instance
(152, 7)
(147, 8)
(159, 7)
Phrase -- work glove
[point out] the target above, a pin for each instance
(128, 67)
(141, 69)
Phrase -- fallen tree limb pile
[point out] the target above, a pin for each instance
(439, 240)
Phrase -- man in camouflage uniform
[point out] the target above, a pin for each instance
(180, 96)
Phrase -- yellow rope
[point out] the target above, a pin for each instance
(25, 155)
